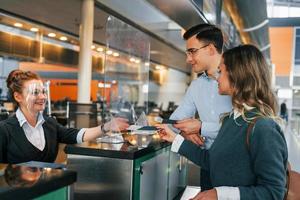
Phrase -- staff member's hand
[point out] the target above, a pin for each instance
(206, 195)
(188, 126)
(116, 124)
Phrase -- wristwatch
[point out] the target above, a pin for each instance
(102, 128)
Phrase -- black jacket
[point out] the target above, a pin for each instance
(15, 148)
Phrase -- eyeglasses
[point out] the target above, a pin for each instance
(37, 92)
(193, 51)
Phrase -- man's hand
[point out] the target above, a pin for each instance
(195, 138)
(188, 126)
(206, 195)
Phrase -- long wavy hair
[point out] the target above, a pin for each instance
(250, 78)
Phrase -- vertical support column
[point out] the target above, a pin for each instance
(219, 4)
(85, 54)
(40, 38)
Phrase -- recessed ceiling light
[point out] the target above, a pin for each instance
(100, 49)
(93, 47)
(137, 61)
(157, 67)
(109, 52)
(147, 64)
(132, 60)
(116, 54)
(63, 38)
(51, 34)
(33, 29)
(18, 25)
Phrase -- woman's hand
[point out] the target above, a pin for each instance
(206, 195)
(165, 132)
(116, 124)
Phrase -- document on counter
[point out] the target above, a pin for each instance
(141, 128)
(190, 192)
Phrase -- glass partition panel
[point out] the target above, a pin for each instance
(126, 69)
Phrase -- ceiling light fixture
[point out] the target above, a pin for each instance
(52, 35)
(18, 25)
(63, 38)
(109, 52)
(33, 29)
(100, 49)
(116, 54)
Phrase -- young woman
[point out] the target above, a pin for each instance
(238, 170)
(28, 135)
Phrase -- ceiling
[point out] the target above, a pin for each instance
(163, 21)
(295, 3)
(258, 34)
(64, 15)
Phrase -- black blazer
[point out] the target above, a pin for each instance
(15, 148)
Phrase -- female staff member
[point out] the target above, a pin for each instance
(28, 135)
(237, 170)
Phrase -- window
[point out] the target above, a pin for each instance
(297, 48)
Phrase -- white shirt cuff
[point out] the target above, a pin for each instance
(228, 193)
(79, 137)
(177, 143)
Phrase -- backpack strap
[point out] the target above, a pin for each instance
(249, 131)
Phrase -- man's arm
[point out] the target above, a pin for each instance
(187, 108)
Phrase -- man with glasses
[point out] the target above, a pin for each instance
(204, 43)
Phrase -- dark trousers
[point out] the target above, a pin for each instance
(205, 182)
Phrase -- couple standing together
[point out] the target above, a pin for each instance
(233, 91)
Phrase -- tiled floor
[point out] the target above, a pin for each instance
(293, 143)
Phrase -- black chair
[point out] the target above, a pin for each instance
(81, 115)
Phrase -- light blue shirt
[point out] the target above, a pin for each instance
(202, 96)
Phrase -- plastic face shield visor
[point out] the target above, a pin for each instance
(36, 93)
(35, 89)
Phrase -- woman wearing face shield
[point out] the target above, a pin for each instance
(29, 135)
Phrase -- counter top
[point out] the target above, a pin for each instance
(122, 150)
(33, 179)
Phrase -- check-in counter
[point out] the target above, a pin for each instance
(123, 171)
(35, 181)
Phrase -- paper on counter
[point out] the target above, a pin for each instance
(133, 127)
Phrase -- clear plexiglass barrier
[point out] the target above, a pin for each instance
(126, 70)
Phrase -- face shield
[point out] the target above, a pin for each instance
(36, 97)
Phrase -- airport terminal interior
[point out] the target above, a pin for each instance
(102, 60)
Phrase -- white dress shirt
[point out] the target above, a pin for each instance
(35, 135)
